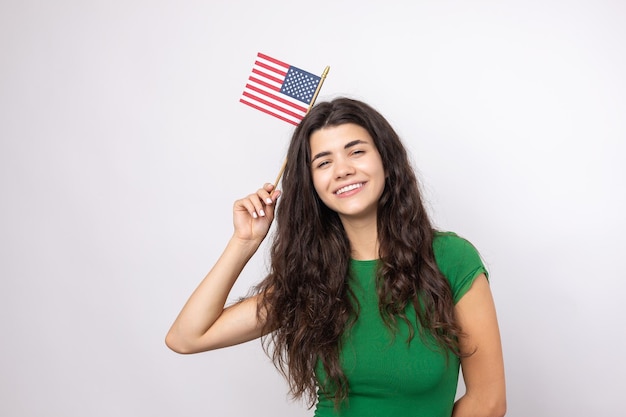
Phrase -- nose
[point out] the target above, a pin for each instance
(343, 168)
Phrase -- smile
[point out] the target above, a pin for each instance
(348, 188)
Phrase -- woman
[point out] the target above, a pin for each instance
(367, 310)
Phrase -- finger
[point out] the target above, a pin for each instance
(265, 194)
(257, 203)
(244, 205)
(276, 194)
(251, 204)
(273, 193)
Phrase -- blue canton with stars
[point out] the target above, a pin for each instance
(300, 84)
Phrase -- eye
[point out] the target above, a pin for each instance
(322, 164)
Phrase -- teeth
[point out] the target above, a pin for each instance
(349, 188)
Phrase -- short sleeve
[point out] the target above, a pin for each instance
(459, 261)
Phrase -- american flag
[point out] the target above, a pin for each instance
(279, 89)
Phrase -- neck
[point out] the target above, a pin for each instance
(363, 237)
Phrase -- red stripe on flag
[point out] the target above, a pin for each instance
(282, 100)
(272, 105)
(268, 112)
(274, 60)
(263, 83)
(270, 68)
(269, 77)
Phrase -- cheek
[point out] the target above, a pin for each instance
(320, 186)
(319, 180)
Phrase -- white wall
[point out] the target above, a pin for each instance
(123, 146)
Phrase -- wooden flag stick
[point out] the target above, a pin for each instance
(317, 91)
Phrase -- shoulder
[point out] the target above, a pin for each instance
(448, 247)
(444, 242)
(458, 260)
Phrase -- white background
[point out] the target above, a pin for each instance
(123, 146)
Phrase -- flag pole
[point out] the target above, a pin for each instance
(317, 91)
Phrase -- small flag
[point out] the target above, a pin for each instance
(279, 89)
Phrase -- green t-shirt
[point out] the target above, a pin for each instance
(388, 376)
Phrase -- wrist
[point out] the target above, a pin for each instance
(246, 247)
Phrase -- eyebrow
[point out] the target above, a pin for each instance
(347, 146)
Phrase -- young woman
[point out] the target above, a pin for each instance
(367, 310)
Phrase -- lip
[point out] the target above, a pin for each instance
(350, 192)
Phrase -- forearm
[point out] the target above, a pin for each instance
(206, 303)
(468, 406)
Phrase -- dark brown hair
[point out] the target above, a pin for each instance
(306, 300)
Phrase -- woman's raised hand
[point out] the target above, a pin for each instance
(253, 215)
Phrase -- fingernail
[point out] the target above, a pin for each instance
(261, 212)
(268, 200)
(254, 215)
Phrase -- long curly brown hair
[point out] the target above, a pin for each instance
(306, 302)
